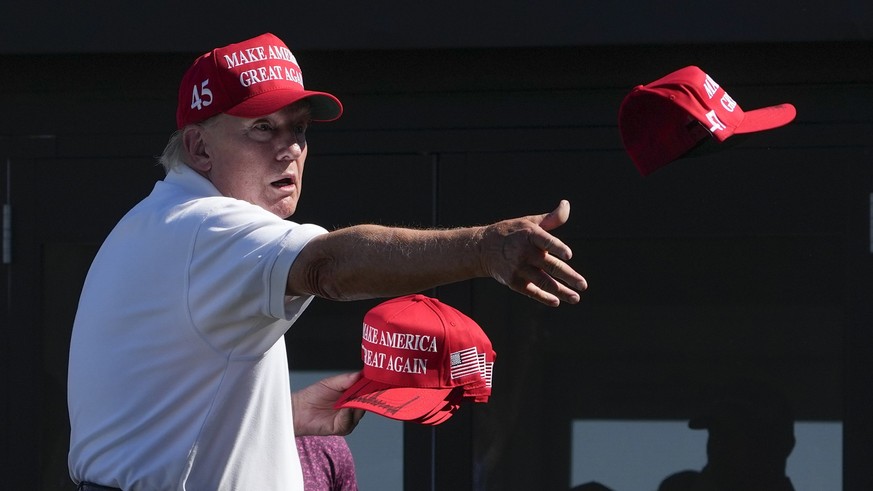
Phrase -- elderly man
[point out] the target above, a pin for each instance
(178, 375)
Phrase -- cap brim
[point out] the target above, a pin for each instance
(440, 418)
(440, 415)
(401, 403)
(766, 118)
(324, 107)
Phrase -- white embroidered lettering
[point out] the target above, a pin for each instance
(710, 86)
(201, 98)
(370, 334)
(372, 358)
(716, 124)
(293, 75)
(281, 53)
(412, 342)
(401, 364)
(728, 103)
(244, 57)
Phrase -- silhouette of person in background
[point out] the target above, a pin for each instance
(751, 435)
(680, 481)
(590, 486)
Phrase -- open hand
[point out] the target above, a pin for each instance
(521, 254)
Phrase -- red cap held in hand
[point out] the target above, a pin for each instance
(422, 358)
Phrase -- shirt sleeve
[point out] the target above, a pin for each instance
(238, 272)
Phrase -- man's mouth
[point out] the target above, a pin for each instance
(282, 182)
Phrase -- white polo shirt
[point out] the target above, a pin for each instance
(178, 376)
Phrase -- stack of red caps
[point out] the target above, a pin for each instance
(422, 360)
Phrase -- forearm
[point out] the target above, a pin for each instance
(368, 261)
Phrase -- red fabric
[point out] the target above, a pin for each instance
(662, 120)
(249, 79)
(421, 359)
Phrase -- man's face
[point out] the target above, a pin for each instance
(259, 160)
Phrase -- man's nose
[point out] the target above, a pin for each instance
(292, 146)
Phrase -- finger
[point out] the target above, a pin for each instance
(551, 244)
(558, 278)
(557, 269)
(359, 415)
(543, 288)
(342, 381)
(540, 295)
(347, 420)
(348, 379)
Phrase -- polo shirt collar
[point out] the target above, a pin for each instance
(190, 180)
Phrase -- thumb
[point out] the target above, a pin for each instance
(343, 381)
(555, 218)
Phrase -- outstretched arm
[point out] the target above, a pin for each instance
(370, 261)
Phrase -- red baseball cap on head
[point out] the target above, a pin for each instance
(421, 359)
(249, 79)
(665, 119)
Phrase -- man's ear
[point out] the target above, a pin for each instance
(194, 142)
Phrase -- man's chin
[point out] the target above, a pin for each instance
(284, 210)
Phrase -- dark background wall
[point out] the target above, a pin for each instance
(753, 262)
(106, 26)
